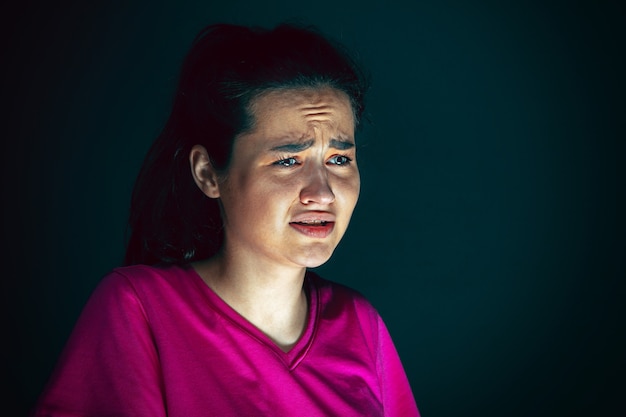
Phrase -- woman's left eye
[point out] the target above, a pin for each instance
(340, 160)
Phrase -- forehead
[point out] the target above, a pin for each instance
(303, 109)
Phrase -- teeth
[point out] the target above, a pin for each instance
(314, 223)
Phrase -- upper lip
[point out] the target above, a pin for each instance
(312, 216)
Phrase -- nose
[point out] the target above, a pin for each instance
(316, 189)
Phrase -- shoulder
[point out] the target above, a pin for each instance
(143, 292)
(143, 282)
(335, 297)
(139, 273)
(141, 276)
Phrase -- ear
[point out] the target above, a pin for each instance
(203, 173)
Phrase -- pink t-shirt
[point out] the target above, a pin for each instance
(159, 342)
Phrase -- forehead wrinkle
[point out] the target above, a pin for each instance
(317, 107)
(292, 117)
(317, 111)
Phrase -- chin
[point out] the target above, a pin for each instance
(315, 258)
(316, 264)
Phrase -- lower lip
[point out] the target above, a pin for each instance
(314, 231)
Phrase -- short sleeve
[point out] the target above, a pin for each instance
(398, 399)
(109, 366)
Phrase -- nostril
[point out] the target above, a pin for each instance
(317, 188)
(321, 194)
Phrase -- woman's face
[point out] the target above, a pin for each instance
(293, 181)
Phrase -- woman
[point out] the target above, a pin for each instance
(252, 181)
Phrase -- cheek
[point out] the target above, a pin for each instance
(279, 191)
(356, 185)
(267, 198)
(349, 190)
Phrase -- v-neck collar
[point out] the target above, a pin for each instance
(298, 352)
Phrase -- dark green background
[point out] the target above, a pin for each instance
(490, 231)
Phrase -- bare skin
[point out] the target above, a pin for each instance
(287, 199)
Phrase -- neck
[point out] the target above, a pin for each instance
(270, 297)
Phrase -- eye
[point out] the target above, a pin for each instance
(286, 162)
(340, 160)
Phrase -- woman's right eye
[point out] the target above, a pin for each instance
(286, 162)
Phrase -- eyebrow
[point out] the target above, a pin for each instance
(341, 145)
(293, 147)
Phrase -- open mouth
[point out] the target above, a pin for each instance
(312, 223)
(314, 228)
